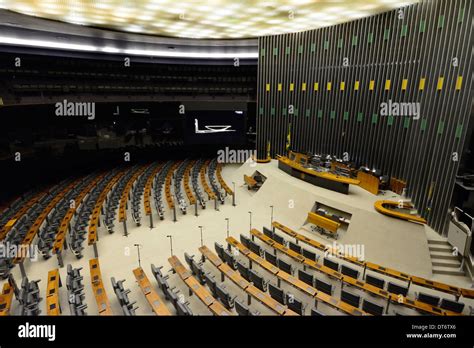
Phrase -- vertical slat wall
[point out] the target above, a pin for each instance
(405, 55)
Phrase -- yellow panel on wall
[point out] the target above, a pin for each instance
(404, 84)
(343, 85)
(303, 86)
(440, 83)
(268, 87)
(356, 86)
(422, 84)
(292, 87)
(371, 85)
(458, 83)
(329, 86)
(387, 85)
(316, 86)
(279, 87)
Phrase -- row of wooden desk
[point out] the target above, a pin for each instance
(103, 304)
(329, 225)
(22, 211)
(64, 226)
(31, 234)
(169, 176)
(95, 216)
(295, 282)
(53, 306)
(249, 288)
(6, 297)
(126, 191)
(187, 188)
(195, 287)
(211, 195)
(468, 293)
(156, 303)
(147, 191)
(221, 179)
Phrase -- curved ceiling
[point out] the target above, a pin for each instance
(212, 19)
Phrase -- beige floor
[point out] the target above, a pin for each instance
(387, 241)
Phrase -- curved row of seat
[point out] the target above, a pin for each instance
(78, 231)
(158, 188)
(187, 188)
(27, 225)
(29, 298)
(115, 197)
(137, 192)
(178, 179)
(148, 186)
(212, 170)
(64, 225)
(126, 193)
(221, 179)
(468, 293)
(128, 307)
(75, 289)
(168, 181)
(210, 194)
(195, 182)
(47, 234)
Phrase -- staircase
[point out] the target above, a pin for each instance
(443, 260)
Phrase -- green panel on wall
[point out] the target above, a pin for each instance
(295, 111)
(308, 112)
(300, 49)
(458, 131)
(441, 127)
(275, 51)
(423, 124)
(339, 43)
(287, 50)
(273, 111)
(313, 47)
(440, 21)
(346, 115)
(386, 34)
(283, 111)
(390, 120)
(262, 52)
(370, 38)
(355, 39)
(261, 110)
(375, 118)
(332, 115)
(326, 44)
(404, 30)
(422, 26)
(320, 113)
(360, 116)
(406, 122)
(461, 15)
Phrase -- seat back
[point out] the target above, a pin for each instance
(377, 282)
(347, 297)
(371, 308)
(323, 286)
(453, 306)
(350, 272)
(306, 277)
(276, 293)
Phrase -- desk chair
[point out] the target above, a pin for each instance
(294, 304)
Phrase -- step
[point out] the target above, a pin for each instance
(442, 248)
(455, 264)
(437, 270)
(443, 256)
(438, 242)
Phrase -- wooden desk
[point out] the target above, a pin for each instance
(156, 304)
(22, 211)
(321, 221)
(468, 293)
(195, 287)
(98, 288)
(53, 306)
(187, 188)
(94, 221)
(211, 195)
(250, 289)
(368, 182)
(64, 225)
(381, 207)
(126, 191)
(6, 298)
(31, 234)
(221, 179)
(147, 191)
(251, 182)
